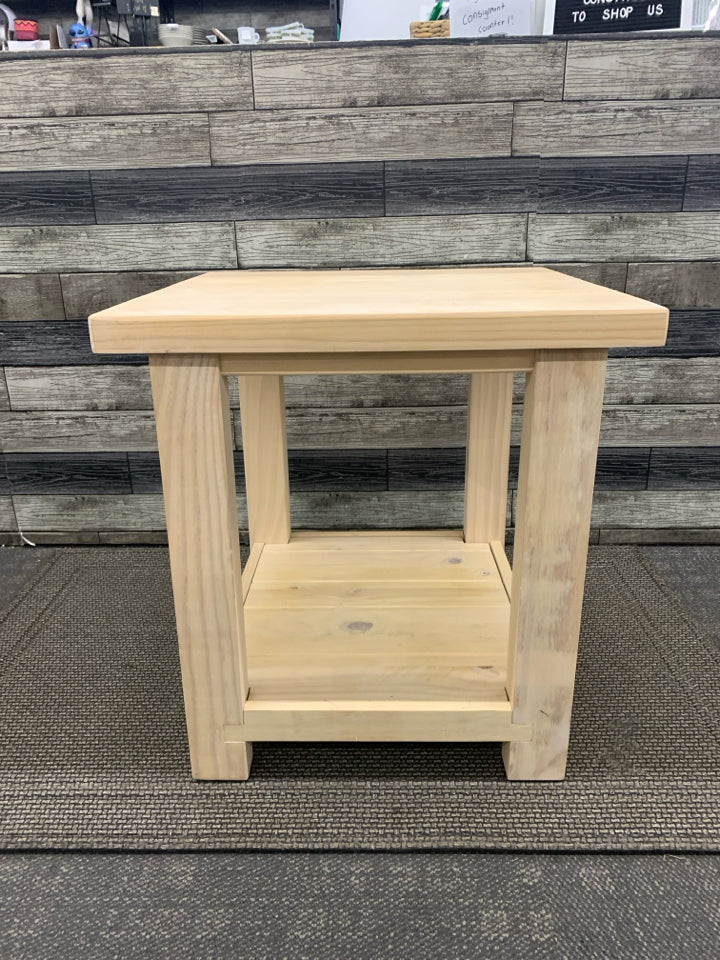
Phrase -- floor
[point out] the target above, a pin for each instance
(343, 906)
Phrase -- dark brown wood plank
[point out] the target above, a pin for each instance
(47, 344)
(380, 133)
(703, 184)
(643, 69)
(616, 128)
(159, 246)
(638, 184)
(620, 236)
(105, 473)
(30, 296)
(475, 185)
(382, 241)
(691, 333)
(45, 198)
(162, 140)
(97, 86)
(86, 293)
(379, 75)
(684, 468)
(267, 192)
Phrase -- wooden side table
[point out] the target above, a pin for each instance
(404, 636)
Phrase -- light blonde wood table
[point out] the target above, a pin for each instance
(397, 635)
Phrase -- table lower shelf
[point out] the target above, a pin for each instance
(387, 636)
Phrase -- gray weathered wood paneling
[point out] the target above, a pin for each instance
(691, 333)
(616, 128)
(587, 185)
(99, 86)
(30, 296)
(58, 432)
(408, 74)
(676, 285)
(653, 508)
(86, 293)
(380, 133)
(266, 192)
(703, 184)
(661, 426)
(684, 468)
(4, 398)
(381, 241)
(162, 140)
(45, 197)
(46, 343)
(622, 236)
(136, 246)
(7, 515)
(32, 473)
(668, 535)
(606, 274)
(629, 381)
(681, 67)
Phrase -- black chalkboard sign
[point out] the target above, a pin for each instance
(605, 16)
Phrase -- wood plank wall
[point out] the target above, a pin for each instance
(123, 172)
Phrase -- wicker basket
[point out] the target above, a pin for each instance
(429, 28)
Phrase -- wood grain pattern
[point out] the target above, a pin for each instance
(27, 343)
(58, 432)
(677, 285)
(4, 397)
(612, 275)
(377, 241)
(379, 133)
(85, 293)
(655, 508)
(7, 515)
(30, 296)
(102, 473)
(643, 69)
(194, 435)
(554, 499)
(651, 535)
(416, 187)
(176, 246)
(264, 443)
(207, 80)
(703, 184)
(597, 236)
(40, 198)
(407, 74)
(595, 184)
(691, 333)
(616, 128)
(268, 192)
(684, 468)
(171, 140)
(487, 460)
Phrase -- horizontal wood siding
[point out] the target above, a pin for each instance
(123, 172)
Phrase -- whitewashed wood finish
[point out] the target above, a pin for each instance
(397, 133)
(264, 441)
(616, 129)
(163, 246)
(30, 296)
(621, 236)
(193, 425)
(374, 241)
(632, 509)
(170, 83)
(554, 499)
(171, 140)
(677, 285)
(629, 381)
(682, 67)
(356, 76)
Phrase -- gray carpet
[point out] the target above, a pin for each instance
(359, 906)
(93, 751)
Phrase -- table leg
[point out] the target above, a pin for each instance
(561, 425)
(487, 457)
(264, 437)
(195, 442)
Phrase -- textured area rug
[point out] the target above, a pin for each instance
(93, 753)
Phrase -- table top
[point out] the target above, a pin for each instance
(329, 311)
